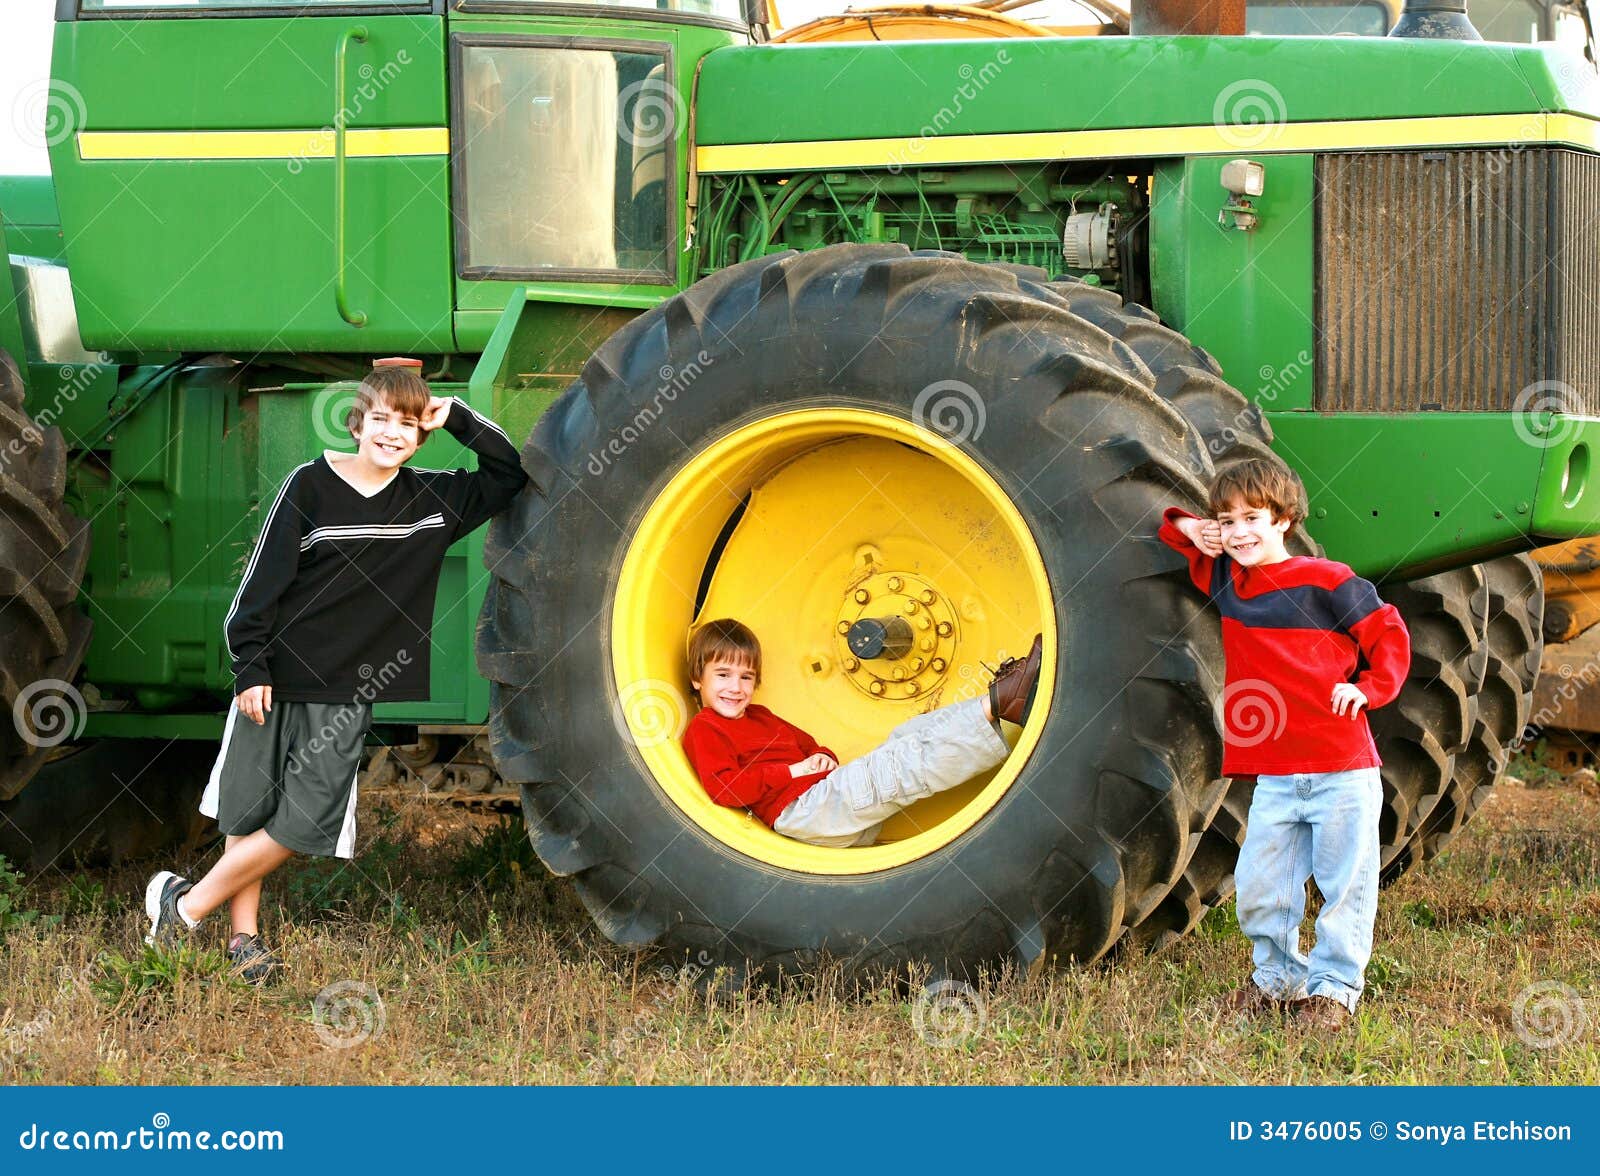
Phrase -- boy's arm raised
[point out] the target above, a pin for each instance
(1200, 564)
(255, 606)
(477, 495)
(1378, 629)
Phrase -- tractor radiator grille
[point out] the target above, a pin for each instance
(1457, 279)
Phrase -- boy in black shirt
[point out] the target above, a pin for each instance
(333, 612)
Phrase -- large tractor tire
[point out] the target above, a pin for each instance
(798, 441)
(1512, 646)
(43, 551)
(106, 801)
(1422, 734)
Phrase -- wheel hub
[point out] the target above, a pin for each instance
(897, 635)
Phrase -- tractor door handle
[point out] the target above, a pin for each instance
(341, 50)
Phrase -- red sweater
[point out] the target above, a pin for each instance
(1291, 631)
(744, 762)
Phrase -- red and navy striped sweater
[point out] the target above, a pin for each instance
(1291, 631)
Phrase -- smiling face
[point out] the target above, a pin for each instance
(387, 437)
(1251, 535)
(726, 687)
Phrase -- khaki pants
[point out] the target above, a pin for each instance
(923, 755)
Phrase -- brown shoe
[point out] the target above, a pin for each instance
(1322, 1013)
(1015, 683)
(1253, 1001)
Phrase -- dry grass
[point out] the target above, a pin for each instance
(487, 971)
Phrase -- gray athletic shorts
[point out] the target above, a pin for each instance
(294, 776)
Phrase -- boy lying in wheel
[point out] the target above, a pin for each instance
(747, 757)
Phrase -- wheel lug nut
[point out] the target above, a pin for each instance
(911, 689)
(926, 644)
(862, 596)
(851, 664)
(911, 607)
(938, 664)
(945, 629)
(844, 626)
(929, 596)
(924, 623)
(876, 688)
(895, 583)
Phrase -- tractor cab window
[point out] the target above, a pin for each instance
(728, 11)
(1516, 21)
(566, 159)
(1287, 18)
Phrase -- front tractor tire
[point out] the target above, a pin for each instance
(799, 440)
(44, 549)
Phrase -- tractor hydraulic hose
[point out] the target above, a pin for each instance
(757, 239)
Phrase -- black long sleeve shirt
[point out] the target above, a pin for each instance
(336, 604)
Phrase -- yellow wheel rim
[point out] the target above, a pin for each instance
(850, 514)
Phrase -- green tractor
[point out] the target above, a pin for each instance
(815, 335)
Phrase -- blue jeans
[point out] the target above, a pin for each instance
(1322, 825)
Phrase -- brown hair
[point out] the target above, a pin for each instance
(723, 640)
(1266, 485)
(402, 388)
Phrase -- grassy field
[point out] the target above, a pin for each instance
(446, 955)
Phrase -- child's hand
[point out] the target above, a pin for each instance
(1206, 534)
(255, 702)
(1347, 694)
(813, 764)
(434, 415)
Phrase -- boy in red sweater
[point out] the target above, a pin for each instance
(747, 757)
(1295, 630)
